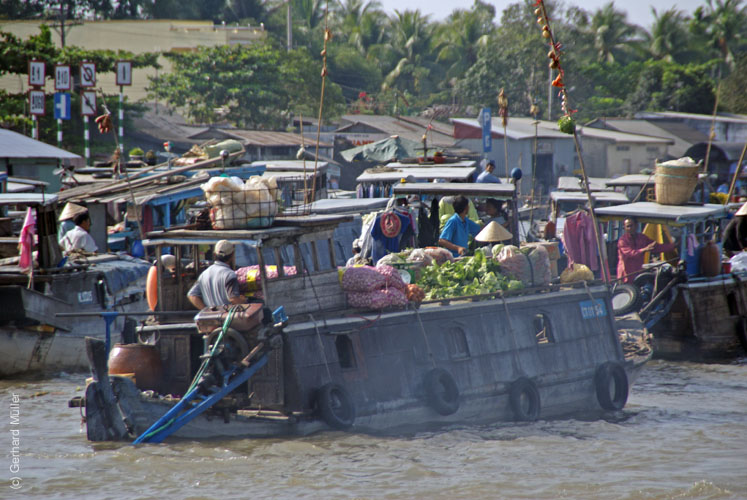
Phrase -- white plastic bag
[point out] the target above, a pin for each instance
(739, 262)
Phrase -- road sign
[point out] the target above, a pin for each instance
(62, 106)
(36, 102)
(124, 73)
(62, 77)
(88, 103)
(487, 128)
(87, 74)
(36, 73)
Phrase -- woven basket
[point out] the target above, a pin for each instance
(674, 184)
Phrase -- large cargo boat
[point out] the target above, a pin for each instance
(544, 352)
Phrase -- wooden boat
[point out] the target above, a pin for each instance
(32, 336)
(539, 353)
(696, 317)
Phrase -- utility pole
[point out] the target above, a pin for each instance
(62, 27)
(289, 25)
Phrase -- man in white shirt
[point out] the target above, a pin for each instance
(78, 238)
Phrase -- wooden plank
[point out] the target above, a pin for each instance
(279, 262)
(331, 244)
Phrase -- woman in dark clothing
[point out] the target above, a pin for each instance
(735, 234)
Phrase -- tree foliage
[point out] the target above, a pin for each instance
(252, 86)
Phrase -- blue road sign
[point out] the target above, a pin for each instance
(62, 106)
(486, 121)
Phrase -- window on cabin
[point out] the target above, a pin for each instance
(345, 352)
(543, 329)
(456, 343)
(623, 148)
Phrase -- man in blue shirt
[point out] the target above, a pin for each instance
(456, 232)
(487, 174)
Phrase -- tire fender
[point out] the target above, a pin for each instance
(441, 391)
(629, 292)
(611, 384)
(525, 400)
(335, 406)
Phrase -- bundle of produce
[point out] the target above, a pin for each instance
(469, 276)
(374, 287)
(419, 256)
(250, 277)
(415, 293)
(577, 272)
(439, 255)
(530, 265)
(237, 204)
(378, 299)
(392, 259)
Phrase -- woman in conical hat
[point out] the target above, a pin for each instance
(493, 233)
(734, 238)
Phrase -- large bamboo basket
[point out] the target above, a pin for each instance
(675, 181)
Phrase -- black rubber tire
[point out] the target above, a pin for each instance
(525, 400)
(441, 391)
(611, 384)
(335, 406)
(625, 299)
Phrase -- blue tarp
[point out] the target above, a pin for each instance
(118, 274)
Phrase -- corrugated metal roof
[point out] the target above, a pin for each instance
(683, 135)
(670, 213)
(270, 138)
(15, 145)
(412, 128)
(647, 115)
(518, 128)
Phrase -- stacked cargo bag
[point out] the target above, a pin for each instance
(374, 288)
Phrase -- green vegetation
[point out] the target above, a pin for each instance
(406, 63)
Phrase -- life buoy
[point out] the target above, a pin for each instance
(441, 391)
(335, 406)
(611, 383)
(151, 288)
(525, 400)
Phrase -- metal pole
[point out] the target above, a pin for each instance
(86, 137)
(34, 128)
(59, 133)
(549, 96)
(121, 121)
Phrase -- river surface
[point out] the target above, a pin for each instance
(682, 435)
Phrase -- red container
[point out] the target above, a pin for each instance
(726, 267)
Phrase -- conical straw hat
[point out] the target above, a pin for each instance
(493, 232)
(742, 210)
(71, 210)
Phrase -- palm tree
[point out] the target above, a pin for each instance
(669, 40)
(410, 50)
(459, 38)
(722, 23)
(361, 21)
(614, 37)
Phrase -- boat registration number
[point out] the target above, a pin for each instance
(593, 309)
(85, 297)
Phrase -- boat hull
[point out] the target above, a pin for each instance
(384, 363)
(704, 321)
(34, 338)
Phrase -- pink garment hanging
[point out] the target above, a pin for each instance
(579, 240)
(26, 240)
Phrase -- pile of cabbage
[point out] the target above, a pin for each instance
(469, 276)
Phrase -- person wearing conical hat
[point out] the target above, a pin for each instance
(735, 234)
(493, 233)
(66, 218)
(78, 238)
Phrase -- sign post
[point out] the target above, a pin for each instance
(62, 81)
(487, 128)
(124, 77)
(87, 108)
(61, 112)
(36, 108)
